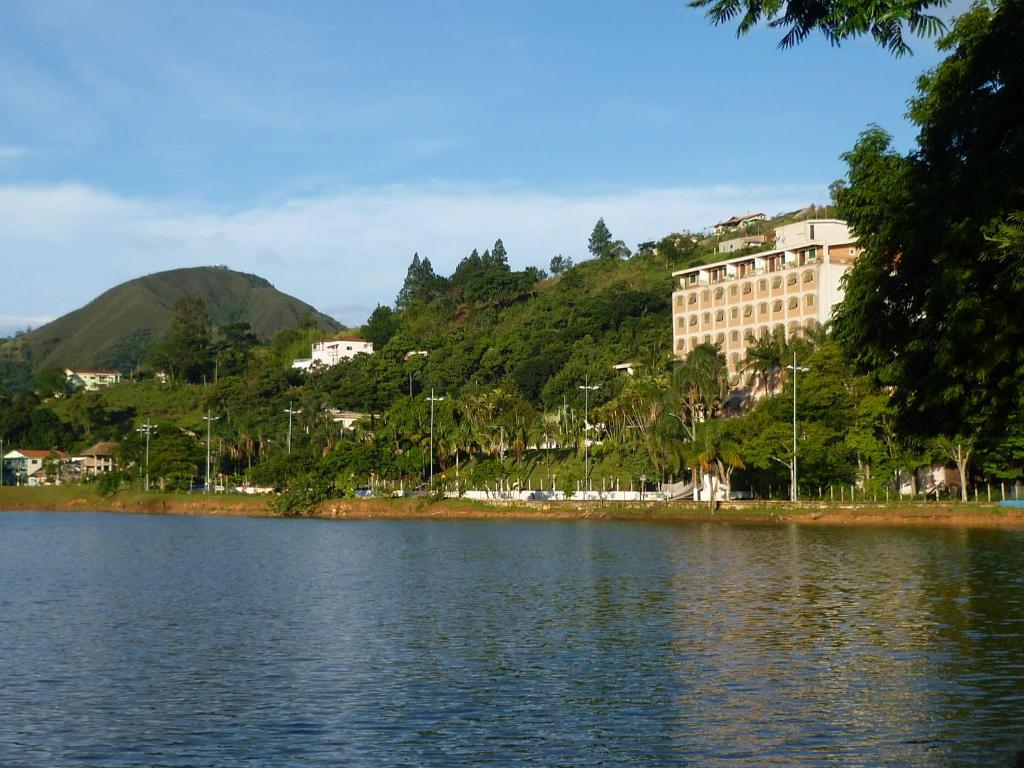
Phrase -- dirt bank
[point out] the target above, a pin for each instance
(979, 515)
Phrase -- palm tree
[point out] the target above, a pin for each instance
(764, 359)
(717, 454)
(700, 384)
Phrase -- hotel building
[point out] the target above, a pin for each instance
(791, 287)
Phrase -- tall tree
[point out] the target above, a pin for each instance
(185, 352)
(933, 304)
(421, 284)
(600, 239)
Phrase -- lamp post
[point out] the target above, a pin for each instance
(432, 400)
(792, 470)
(291, 412)
(209, 420)
(587, 389)
(147, 428)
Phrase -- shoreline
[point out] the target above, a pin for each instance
(894, 514)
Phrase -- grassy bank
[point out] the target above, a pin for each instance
(83, 498)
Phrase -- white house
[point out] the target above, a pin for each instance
(91, 379)
(347, 419)
(24, 466)
(333, 351)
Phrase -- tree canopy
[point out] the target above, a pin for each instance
(932, 306)
(837, 20)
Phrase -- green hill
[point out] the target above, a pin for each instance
(115, 329)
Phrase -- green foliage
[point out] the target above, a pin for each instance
(185, 353)
(600, 240)
(421, 284)
(932, 306)
(52, 382)
(109, 483)
(560, 264)
(381, 326)
(837, 20)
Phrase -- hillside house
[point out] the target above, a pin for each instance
(739, 222)
(97, 459)
(330, 352)
(25, 466)
(91, 379)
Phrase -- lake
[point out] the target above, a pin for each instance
(204, 641)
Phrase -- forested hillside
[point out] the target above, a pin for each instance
(117, 329)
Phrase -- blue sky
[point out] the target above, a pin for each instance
(320, 144)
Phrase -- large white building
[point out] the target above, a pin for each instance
(791, 287)
(333, 351)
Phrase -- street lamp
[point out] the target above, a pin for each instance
(432, 400)
(587, 389)
(147, 428)
(209, 420)
(792, 470)
(291, 412)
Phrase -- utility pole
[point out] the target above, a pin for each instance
(3, 463)
(587, 388)
(147, 428)
(291, 412)
(432, 400)
(209, 420)
(793, 487)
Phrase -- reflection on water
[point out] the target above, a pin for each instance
(184, 641)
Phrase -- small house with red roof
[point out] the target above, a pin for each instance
(26, 466)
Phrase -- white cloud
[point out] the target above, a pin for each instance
(11, 153)
(11, 324)
(343, 252)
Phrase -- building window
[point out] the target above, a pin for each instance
(812, 254)
(762, 308)
(762, 285)
(719, 293)
(748, 311)
(809, 276)
(791, 280)
(691, 299)
(809, 300)
(747, 288)
(693, 320)
(681, 345)
(705, 295)
(734, 336)
(719, 338)
(707, 318)
(776, 283)
(794, 302)
(734, 313)
(777, 305)
(719, 315)
(733, 290)
(707, 338)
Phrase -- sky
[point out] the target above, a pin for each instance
(321, 144)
